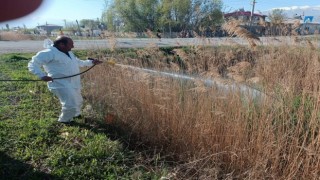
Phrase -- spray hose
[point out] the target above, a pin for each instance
(111, 62)
(26, 80)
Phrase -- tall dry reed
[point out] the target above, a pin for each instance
(213, 134)
(234, 28)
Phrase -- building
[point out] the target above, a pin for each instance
(297, 25)
(304, 25)
(245, 17)
(47, 28)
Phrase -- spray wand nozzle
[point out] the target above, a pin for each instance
(110, 61)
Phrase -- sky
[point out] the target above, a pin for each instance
(266, 5)
(56, 11)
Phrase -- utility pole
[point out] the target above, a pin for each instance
(252, 11)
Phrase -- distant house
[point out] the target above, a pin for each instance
(306, 24)
(16, 28)
(245, 19)
(47, 28)
(245, 16)
(310, 28)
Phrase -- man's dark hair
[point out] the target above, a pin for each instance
(61, 39)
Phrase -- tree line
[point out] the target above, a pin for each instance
(162, 15)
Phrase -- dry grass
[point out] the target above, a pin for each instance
(110, 34)
(213, 135)
(14, 36)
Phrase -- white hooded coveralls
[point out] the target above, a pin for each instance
(57, 64)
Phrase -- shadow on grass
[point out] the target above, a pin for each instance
(96, 126)
(15, 169)
(118, 132)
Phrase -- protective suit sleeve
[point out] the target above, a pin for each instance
(83, 63)
(37, 61)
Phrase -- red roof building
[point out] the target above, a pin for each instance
(245, 16)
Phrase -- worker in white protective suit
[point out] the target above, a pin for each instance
(58, 61)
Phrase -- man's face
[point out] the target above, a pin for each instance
(66, 47)
(69, 45)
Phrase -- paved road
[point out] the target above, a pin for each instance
(34, 46)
